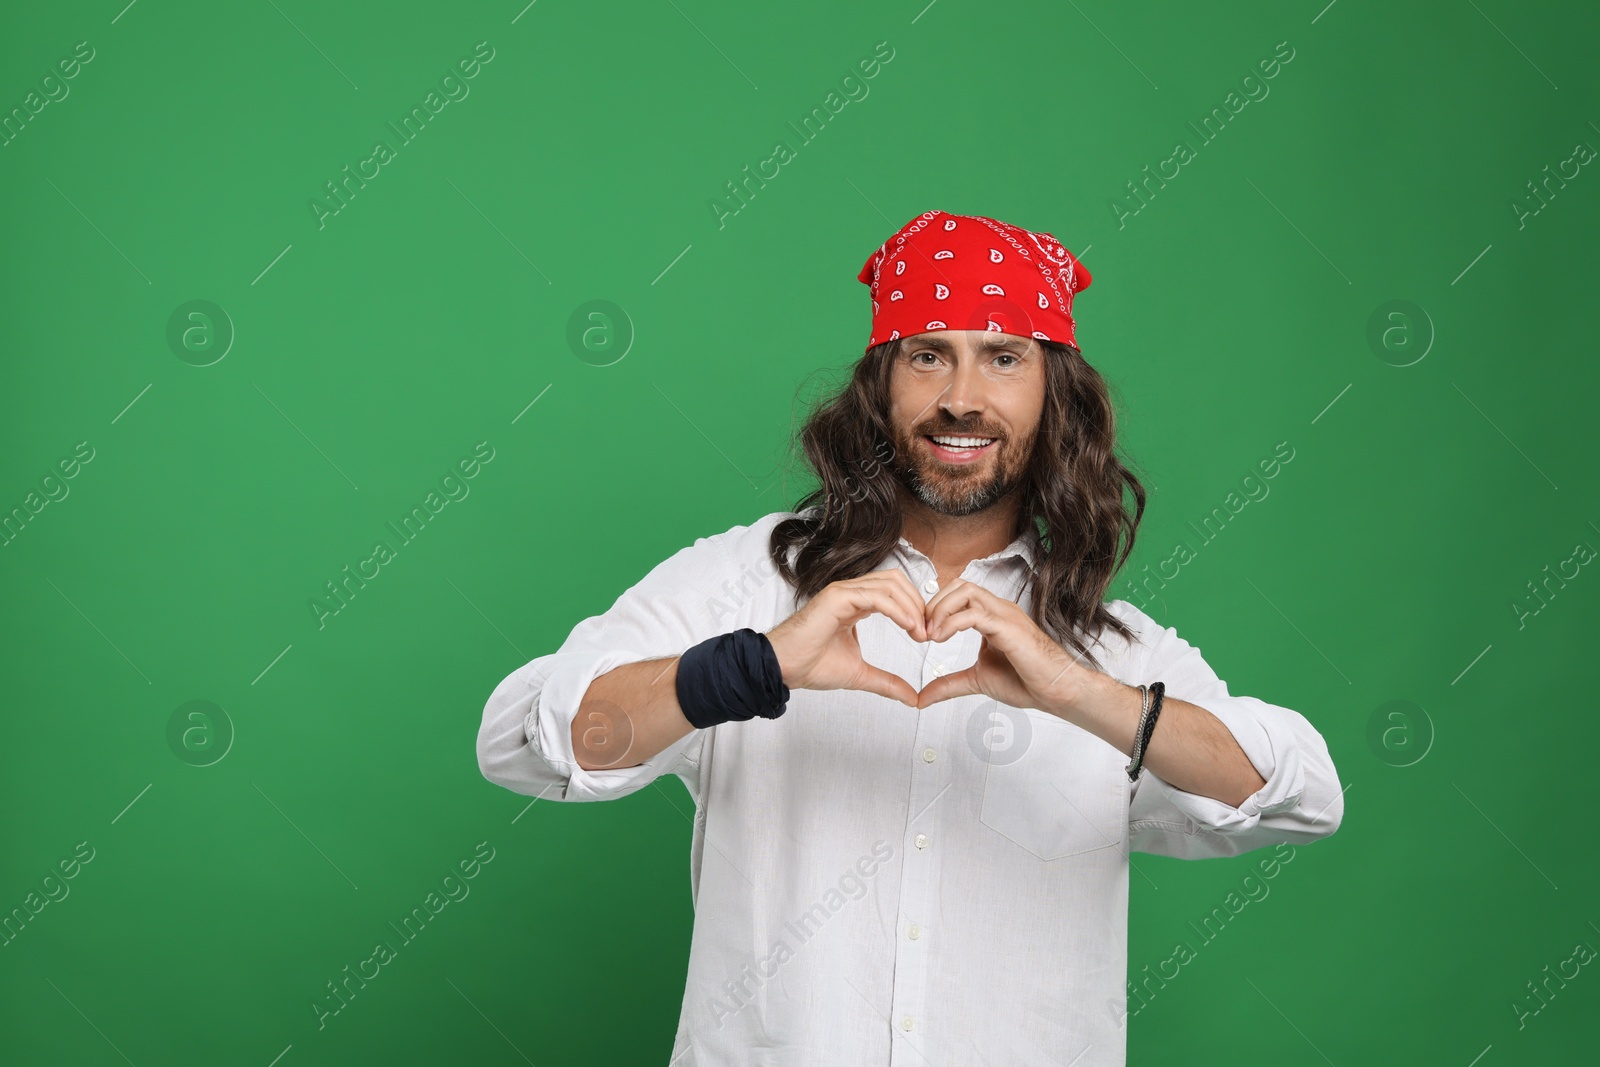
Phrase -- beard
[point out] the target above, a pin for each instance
(955, 490)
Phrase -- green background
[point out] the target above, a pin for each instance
(370, 354)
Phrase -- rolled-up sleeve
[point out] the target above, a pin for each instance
(525, 740)
(1301, 801)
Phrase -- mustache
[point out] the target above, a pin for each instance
(958, 431)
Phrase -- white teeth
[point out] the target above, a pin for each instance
(964, 442)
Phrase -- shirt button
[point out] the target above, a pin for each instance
(927, 755)
(915, 932)
(929, 586)
(922, 840)
(935, 670)
(905, 1024)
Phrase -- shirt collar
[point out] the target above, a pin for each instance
(1024, 546)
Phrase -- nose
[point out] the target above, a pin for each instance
(964, 393)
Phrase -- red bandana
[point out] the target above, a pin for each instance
(968, 272)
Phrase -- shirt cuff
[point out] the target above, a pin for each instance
(548, 726)
(1278, 763)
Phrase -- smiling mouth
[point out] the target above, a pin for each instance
(959, 448)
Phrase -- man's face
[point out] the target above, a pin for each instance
(965, 384)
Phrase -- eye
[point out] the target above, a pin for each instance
(1008, 355)
(924, 352)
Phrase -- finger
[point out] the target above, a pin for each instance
(900, 587)
(949, 686)
(903, 580)
(901, 583)
(971, 618)
(1008, 619)
(958, 600)
(875, 680)
(865, 598)
(959, 587)
(944, 590)
(904, 593)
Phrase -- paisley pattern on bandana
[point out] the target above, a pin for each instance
(957, 269)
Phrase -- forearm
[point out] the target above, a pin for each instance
(628, 715)
(1191, 749)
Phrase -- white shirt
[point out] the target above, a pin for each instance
(875, 884)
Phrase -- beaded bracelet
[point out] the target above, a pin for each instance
(1150, 700)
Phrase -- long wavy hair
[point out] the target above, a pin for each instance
(1072, 495)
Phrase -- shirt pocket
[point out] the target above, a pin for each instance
(1049, 787)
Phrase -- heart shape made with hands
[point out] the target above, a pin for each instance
(1018, 664)
(989, 668)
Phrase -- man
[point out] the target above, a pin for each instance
(919, 743)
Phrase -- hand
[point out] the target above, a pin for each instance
(817, 646)
(1018, 663)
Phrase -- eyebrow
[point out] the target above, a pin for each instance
(988, 344)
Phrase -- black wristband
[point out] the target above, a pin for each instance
(730, 678)
(1158, 693)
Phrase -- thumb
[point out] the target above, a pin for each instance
(875, 680)
(949, 686)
